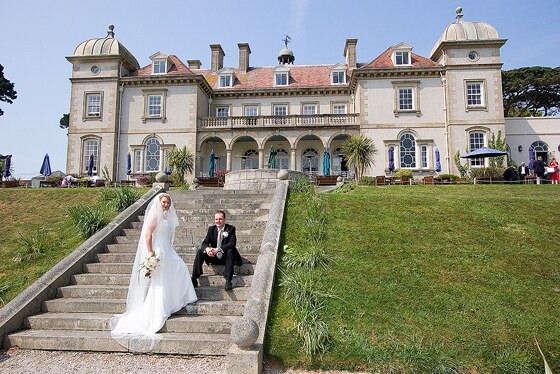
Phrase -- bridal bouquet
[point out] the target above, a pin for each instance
(148, 266)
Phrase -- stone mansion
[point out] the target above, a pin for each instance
(128, 117)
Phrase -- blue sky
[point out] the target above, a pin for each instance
(38, 35)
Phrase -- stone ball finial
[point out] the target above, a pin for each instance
(244, 333)
(161, 177)
(459, 10)
(283, 175)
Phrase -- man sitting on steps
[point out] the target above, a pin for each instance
(218, 247)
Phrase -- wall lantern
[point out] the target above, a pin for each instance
(520, 148)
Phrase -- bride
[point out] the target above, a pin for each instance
(154, 297)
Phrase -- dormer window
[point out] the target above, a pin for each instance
(402, 54)
(402, 58)
(281, 76)
(338, 74)
(160, 63)
(160, 66)
(225, 80)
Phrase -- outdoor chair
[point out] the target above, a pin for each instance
(428, 179)
(380, 180)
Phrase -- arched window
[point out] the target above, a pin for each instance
(282, 159)
(476, 141)
(540, 149)
(90, 147)
(338, 164)
(408, 151)
(250, 160)
(310, 162)
(152, 155)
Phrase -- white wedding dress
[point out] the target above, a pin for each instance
(151, 301)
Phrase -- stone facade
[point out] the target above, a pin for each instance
(413, 105)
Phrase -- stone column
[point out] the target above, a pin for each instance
(228, 159)
(292, 159)
(261, 158)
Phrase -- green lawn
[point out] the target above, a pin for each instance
(433, 279)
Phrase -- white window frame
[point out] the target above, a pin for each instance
(413, 152)
(93, 110)
(249, 107)
(406, 99)
(281, 79)
(222, 111)
(339, 108)
(276, 108)
(159, 66)
(90, 145)
(225, 80)
(138, 161)
(477, 139)
(410, 86)
(150, 105)
(401, 56)
(475, 95)
(336, 76)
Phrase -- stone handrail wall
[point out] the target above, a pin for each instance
(276, 121)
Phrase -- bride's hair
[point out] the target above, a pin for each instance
(163, 194)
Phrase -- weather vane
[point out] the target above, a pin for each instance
(286, 40)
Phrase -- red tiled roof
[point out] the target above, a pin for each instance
(177, 68)
(263, 77)
(384, 61)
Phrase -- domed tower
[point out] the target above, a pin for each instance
(472, 83)
(97, 66)
(286, 56)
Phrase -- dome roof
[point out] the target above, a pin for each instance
(285, 52)
(461, 30)
(108, 46)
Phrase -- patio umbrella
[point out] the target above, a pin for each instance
(272, 158)
(438, 163)
(326, 162)
(484, 152)
(7, 165)
(90, 165)
(128, 164)
(46, 167)
(212, 164)
(531, 157)
(391, 159)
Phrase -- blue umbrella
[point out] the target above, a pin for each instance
(391, 159)
(46, 167)
(128, 164)
(212, 164)
(531, 157)
(484, 152)
(326, 162)
(7, 165)
(438, 163)
(167, 171)
(90, 165)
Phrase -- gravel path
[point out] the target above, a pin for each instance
(23, 361)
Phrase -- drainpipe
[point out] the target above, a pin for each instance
(121, 90)
(446, 121)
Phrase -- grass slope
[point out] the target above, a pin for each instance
(433, 279)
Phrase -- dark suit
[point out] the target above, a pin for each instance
(230, 257)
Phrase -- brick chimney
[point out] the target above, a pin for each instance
(350, 53)
(244, 52)
(217, 57)
(194, 64)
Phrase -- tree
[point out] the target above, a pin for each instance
(496, 142)
(531, 91)
(181, 162)
(359, 153)
(462, 168)
(64, 121)
(7, 92)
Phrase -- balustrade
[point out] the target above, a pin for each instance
(276, 121)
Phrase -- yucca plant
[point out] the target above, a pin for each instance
(88, 218)
(32, 246)
(120, 198)
(359, 151)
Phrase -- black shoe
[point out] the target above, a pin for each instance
(194, 282)
(229, 286)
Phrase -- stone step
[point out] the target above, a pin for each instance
(100, 322)
(183, 240)
(116, 268)
(124, 280)
(128, 257)
(72, 340)
(120, 292)
(233, 219)
(249, 245)
(248, 229)
(72, 305)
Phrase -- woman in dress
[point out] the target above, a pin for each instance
(151, 300)
(555, 176)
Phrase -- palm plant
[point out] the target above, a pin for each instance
(359, 152)
(181, 162)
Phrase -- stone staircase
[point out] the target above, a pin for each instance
(78, 319)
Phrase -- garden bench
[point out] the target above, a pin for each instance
(48, 184)
(326, 180)
(127, 183)
(210, 181)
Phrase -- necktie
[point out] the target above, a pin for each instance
(219, 243)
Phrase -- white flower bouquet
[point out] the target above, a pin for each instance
(149, 264)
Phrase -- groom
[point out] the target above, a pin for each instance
(218, 247)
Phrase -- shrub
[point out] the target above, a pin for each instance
(143, 180)
(119, 198)
(34, 245)
(495, 173)
(300, 184)
(308, 259)
(367, 181)
(403, 173)
(88, 218)
(451, 177)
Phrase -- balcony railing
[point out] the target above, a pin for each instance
(279, 121)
